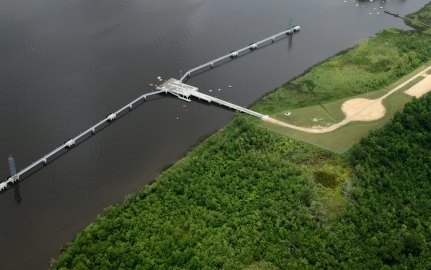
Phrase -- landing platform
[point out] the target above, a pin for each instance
(175, 86)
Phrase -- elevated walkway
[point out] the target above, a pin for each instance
(234, 54)
(74, 141)
(185, 92)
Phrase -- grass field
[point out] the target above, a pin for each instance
(368, 70)
(330, 113)
(374, 64)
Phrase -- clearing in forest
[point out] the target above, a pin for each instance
(338, 125)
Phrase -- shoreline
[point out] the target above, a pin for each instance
(149, 192)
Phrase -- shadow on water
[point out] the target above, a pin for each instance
(17, 194)
(290, 43)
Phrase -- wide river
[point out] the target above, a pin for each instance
(65, 64)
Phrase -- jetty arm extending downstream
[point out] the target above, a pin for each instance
(72, 142)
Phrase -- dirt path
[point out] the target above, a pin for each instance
(421, 88)
(362, 109)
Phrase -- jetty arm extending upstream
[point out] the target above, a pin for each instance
(237, 53)
(72, 142)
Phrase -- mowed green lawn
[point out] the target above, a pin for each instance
(368, 70)
(373, 65)
(330, 113)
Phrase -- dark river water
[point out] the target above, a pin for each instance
(65, 64)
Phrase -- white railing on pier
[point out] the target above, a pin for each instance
(226, 104)
(236, 53)
(71, 142)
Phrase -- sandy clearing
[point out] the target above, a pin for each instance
(357, 109)
(362, 109)
(421, 88)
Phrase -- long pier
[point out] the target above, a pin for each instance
(74, 141)
(235, 54)
(172, 86)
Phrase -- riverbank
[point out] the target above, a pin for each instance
(368, 70)
(320, 124)
(421, 19)
(245, 197)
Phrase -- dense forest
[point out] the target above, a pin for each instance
(233, 201)
(248, 198)
(392, 210)
(252, 200)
